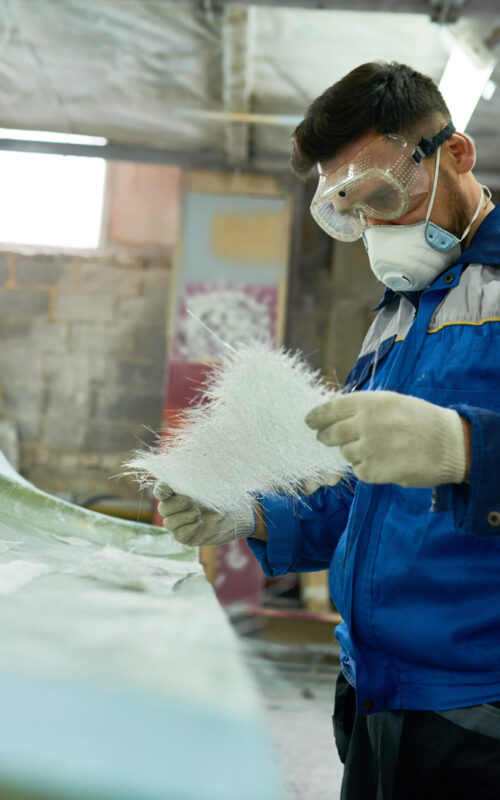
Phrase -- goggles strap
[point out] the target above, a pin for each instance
(428, 146)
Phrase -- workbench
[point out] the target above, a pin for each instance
(120, 676)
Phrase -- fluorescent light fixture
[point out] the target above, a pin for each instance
(466, 75)
(51, 136)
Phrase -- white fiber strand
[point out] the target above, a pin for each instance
(247, 435)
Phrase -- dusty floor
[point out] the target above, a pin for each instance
(297, 685)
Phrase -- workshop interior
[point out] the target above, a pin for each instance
(150, 223)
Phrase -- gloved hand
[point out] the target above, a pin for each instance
(195, 525)
(394, 438)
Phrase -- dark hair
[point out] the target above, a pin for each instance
(378, 97)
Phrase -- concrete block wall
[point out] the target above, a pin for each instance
(83, 341)
(82, 358)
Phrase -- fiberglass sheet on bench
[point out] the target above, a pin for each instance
(120, 676)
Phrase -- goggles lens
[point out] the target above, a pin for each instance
(382, 181)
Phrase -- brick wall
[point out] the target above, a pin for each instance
(81, 363)
(83, 347)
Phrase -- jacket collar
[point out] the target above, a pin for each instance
(485, 244)
(390, 294)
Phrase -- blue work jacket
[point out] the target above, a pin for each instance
(415, 573)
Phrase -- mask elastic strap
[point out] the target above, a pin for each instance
(484, 190)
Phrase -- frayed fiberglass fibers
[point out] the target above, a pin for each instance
(246, 435)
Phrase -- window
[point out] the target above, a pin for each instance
(50, 200)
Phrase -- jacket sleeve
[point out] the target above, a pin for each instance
(476, 505)
(302, 532)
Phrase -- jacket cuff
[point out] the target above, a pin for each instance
(476, 505)
(277, 555)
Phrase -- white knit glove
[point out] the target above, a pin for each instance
(394, 438)
(194, 525)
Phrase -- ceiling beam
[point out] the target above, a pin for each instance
(196, 159)
(445, 11)
(268, 165)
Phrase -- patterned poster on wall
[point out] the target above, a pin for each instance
(212, 313)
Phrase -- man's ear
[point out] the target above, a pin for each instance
(461, 153)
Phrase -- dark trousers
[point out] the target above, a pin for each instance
(417, 755)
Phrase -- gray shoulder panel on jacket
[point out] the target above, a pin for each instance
(476, 299)
(394, 320)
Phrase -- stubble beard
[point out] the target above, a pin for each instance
(460, 214)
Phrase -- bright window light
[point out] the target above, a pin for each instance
(51, 200)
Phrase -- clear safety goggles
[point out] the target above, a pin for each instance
(383, 180)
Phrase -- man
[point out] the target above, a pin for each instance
(414, 550)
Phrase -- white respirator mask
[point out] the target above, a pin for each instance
(410, 257)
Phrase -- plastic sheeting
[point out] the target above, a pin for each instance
(114, 69)
(119, 674)
(125, 69)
